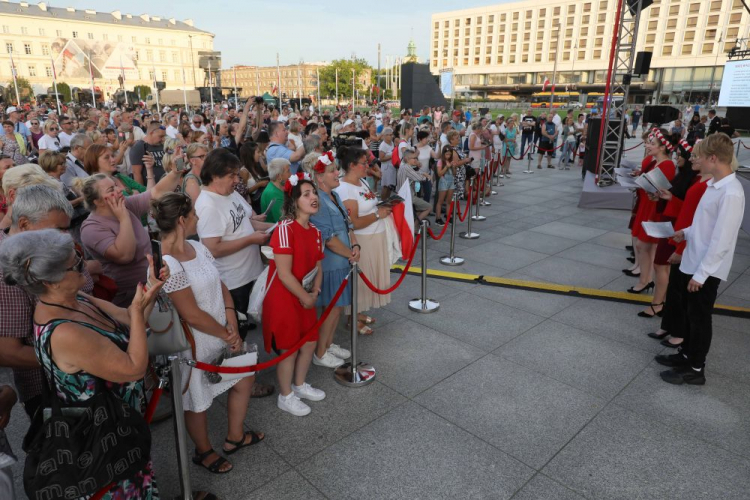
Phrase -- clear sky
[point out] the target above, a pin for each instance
(251, 32)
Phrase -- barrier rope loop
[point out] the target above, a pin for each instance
(743, 144)
(372, 287)
(462, 218)
(447, 223)
(630, 149)
(296, 347)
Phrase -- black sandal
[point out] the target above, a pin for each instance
(213, 467)
(238, 445)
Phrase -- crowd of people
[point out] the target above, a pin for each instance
(104, 212)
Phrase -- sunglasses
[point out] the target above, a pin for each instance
(202, 157)
(80, 263)
(53, 128)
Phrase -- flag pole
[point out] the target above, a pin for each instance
(317, 80)
(257, 81)
(236, 100)
(184, 84)
(278, 78)
(210, 88)
(354, 88)
(54, 83)
(337, 86)
(93, 92)
(156, 90)
(122, 72)
(299, 89)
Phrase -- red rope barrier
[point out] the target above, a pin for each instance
(468, 207)
(743, 144)
(262, 366)
(522, 154)
(400, 279)
(447, 222)
(637, 145)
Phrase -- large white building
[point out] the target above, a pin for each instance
(144, 47)
(493, 49)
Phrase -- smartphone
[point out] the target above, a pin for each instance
(181, 165)
(156, 254)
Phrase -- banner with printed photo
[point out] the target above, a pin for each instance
(446, 83)
(109, 60)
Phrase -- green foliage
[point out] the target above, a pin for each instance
(345, 67)
(24, 90)
(64, 89)
(143, 91)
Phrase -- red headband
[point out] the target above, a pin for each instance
(324, 161)
(294, 180)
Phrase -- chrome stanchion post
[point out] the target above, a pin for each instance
(354, 373)
(494, 181)
(423, 304)
(480, 199)
(528, 157)
(180, 431)
(469, 234)
(452, 260)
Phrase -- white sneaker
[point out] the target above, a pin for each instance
(308, 392)
(292, 404)
(339, 351)
(328, 360)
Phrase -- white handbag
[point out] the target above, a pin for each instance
(255, 304)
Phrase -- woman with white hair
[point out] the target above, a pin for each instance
(279, 170)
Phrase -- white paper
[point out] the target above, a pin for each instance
(643, 183)
(627, 181)
(247, 359)
(658, 229)
(658, 179)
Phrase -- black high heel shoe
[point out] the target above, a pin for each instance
(629, 248)
(644, 314)
(650, 286)
(658, 336)
(631, 260)
(628, 272)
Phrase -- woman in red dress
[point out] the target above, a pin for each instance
(289, 308)
(661, 149)
(667, 210)
(673, 321)
(646, 165)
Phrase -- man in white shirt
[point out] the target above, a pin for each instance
(707, 259)
(172, 122)
(66, 132)
(558, 126)
(284, 116)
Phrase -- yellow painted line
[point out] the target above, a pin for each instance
(537, 286)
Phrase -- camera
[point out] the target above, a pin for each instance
(348, 140)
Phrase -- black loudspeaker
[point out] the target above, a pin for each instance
(642, 63)
(660, 114)
(633, 5)
(419, 88)
(590, 159)
(739, 118)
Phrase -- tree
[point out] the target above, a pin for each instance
(142, 91)
(345, 67)
(24, 89)
(64, 90)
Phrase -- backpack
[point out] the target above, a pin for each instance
(395, 158)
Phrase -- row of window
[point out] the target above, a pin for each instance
(105, 37)
(604, 5)
(31, 71)
(28, 50)
(268, 74)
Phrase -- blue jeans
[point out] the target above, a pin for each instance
(425, 190)
(568, 149)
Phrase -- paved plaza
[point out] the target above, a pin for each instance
(506, 393)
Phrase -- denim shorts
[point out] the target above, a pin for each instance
(446, 183)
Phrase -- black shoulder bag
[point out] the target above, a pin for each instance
(80, 449)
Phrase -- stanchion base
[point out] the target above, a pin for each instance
(484, 204)
(478, 218)
(528, 171)
(452, 261)
(424, 306)
(363, 375)
(469, 236)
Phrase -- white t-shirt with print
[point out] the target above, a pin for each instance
(228, 217)
(367, 203)
(49, 143)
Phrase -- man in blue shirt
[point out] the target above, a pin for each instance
(18, 125)
(277, 147)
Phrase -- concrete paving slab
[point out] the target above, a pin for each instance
(591, 253)
(520, 411)
(541, 304)
(591, 363)
(480, 322)
(569, 272)
(624, 455)
(505, 256)
(413, 453)
(298, 438)
(410, 357)
(543, 488)
(288, 486)
(539, 242)
(570, 231)
(718, 412)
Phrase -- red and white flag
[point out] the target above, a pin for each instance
(544, 85)
(403, 218)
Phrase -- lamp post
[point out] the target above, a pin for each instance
(192, 58)
(554, 68)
